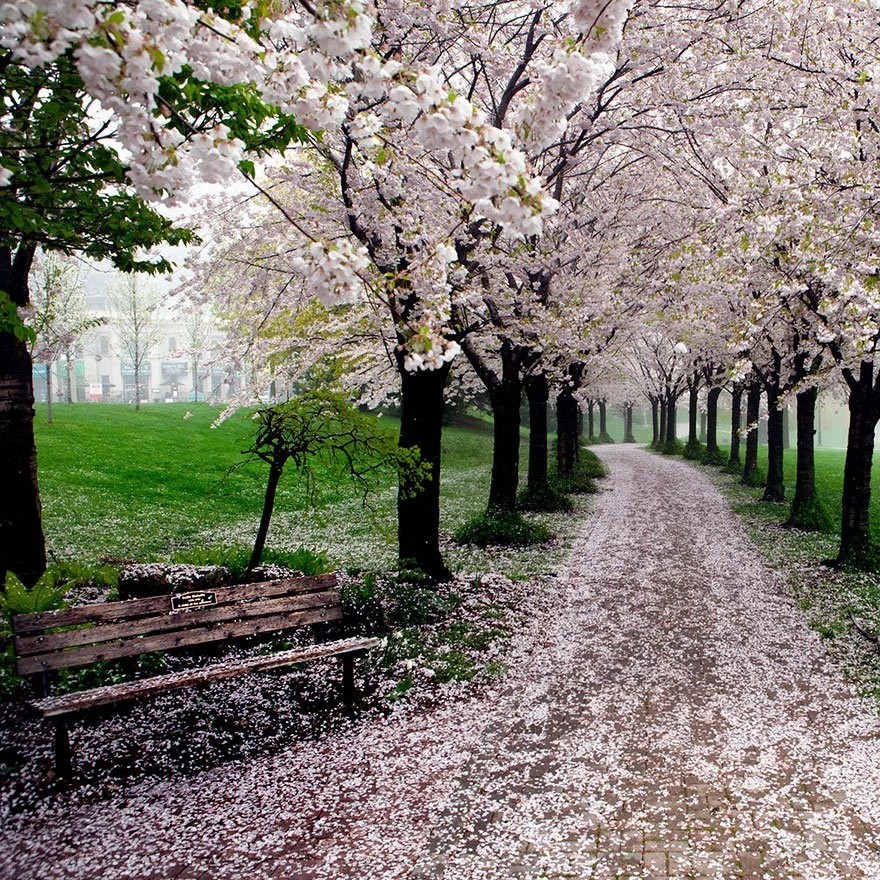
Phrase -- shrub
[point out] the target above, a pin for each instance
(503, 528)
(693, 450)
(547, 500)
(672, 447)
(810, 517)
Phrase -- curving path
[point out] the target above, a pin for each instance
(668, 715)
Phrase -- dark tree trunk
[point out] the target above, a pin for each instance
(671, 420)
(753, 413)
(591, 422)
(275, 471)
(628, 436)
(655, 420)
(505, 399)
(604, 436)
(786, 429)
(712, 423)
(22, 545)
(663, 421)
(693, 413)
(855, 536)
(538, 394)
(566, 432)
(418, 506)
(806, 509)
(774, 490)
(733, 461)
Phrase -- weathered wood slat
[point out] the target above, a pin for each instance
(177, 639)
(175, 620)
(70, 704)
(130, 608)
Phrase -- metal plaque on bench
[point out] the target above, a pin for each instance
(195, 599)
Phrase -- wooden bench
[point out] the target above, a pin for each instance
(49, 641)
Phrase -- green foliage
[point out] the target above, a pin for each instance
(546, 500)
(502, 528)
(581, 481)
(10, 320)
(756, 479)
(672, 447)
(320, 426)
(362, 605)
(68, 188)
(235, 559)
(107, 672)
(45, 595)
(809, 516)
(716, 458)
(693, 450)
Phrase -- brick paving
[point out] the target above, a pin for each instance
(667, 715)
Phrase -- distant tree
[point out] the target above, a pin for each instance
(134, 316)
(197, 329)
(59, 317)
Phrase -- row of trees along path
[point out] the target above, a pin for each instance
(667, 714)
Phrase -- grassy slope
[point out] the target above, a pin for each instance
(143, 484)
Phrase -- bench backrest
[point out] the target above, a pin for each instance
(76, 636)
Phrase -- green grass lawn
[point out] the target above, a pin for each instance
(829, 484)
(144, 485)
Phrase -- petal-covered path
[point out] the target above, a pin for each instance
(667, 714)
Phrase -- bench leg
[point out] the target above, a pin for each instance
(348, 693)
(63, 758)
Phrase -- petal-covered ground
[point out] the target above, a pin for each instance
(667, 714)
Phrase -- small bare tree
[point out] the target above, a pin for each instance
(134, 316)
(59, 317)
(198, 329)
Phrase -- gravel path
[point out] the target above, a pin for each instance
(668, 714)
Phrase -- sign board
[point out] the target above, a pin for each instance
(190, 601)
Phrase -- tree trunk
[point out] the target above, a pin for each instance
(505, 399)
(22, 545)
(786, 429)
(774, 490)
(693, 441)
(604, 436)
(591, 422)
(418, 505)
(753, 413)
(664, 420)
(538, 394)
(49, 394)
(713, 454)
(655, 421)
(566, 432)
(855, 537)
(275, 471)
(806, 509)
(137, 376)
(671, 420)
(69, 379)
(628, 436)
(704, 427)
(733, 461)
